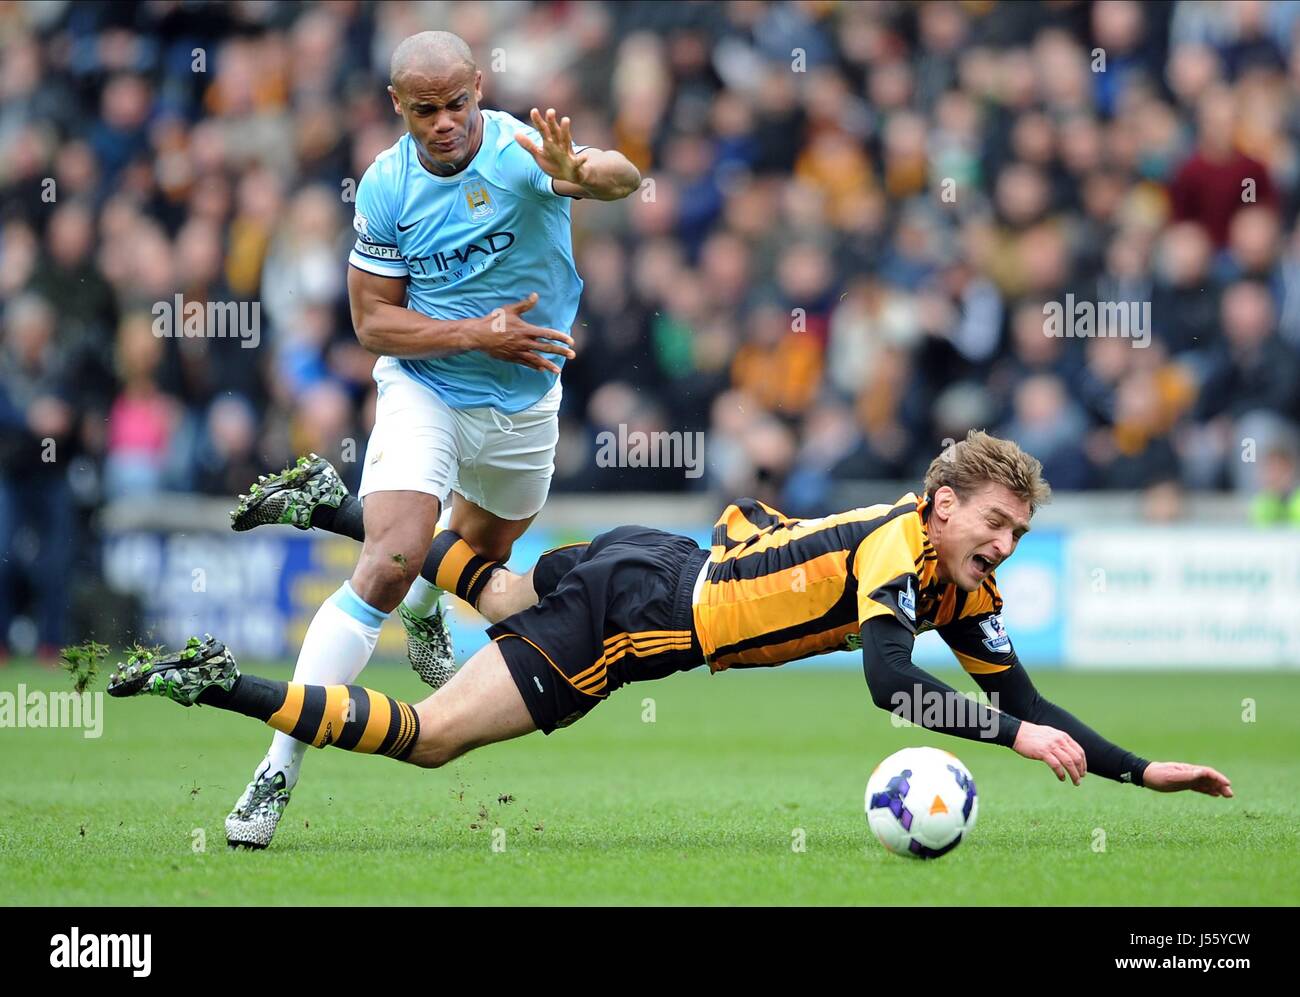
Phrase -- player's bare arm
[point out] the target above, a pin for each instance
(601, 174)
(386, 327)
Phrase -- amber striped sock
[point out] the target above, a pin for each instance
(351, 717)
(453, 566)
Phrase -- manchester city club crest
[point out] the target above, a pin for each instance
(478, 200)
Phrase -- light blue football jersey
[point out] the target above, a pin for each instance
(468, 244)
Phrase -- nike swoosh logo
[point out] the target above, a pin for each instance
(404, 228)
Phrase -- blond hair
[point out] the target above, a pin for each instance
(969, 465)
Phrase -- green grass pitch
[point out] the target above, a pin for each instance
(705, 805)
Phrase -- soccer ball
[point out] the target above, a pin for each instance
(921, 802)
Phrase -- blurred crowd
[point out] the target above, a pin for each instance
(854, 217)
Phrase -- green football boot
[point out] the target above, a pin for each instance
(181, 676)
(428, 646)
(289, 497)
(257, 813)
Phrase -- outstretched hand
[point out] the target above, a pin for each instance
(556, 156)
(1172, 777)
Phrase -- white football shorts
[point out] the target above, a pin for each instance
(501, 463)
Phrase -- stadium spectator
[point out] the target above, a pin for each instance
(1137, 452)
(1218, 180)
(1185, 298)
(1051, 426)
(143, 422)
(1250, 386)
(1278, 501)
(38, 421)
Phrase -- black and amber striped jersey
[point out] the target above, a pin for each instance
(777, 589)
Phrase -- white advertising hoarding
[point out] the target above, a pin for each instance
(1182, 597)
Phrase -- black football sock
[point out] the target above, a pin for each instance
(351, 717)
(346, 520)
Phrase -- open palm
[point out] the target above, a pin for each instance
(1172, 777)
(555, 156)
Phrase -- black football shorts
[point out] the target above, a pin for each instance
(613, 611)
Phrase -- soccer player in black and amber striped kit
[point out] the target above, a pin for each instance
(637, 604)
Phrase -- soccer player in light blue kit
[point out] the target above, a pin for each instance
(462, 231)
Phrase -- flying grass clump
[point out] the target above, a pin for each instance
(81, 661)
